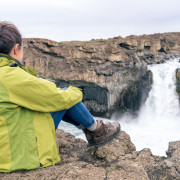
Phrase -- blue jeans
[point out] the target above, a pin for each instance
(76, 115)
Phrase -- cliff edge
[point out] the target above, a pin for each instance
(118, 159)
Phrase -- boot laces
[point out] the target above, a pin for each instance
(104, 127)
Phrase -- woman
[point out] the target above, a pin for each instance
(31, 109)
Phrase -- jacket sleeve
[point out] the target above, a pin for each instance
(38, 94)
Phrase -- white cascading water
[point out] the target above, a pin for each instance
(158, 121)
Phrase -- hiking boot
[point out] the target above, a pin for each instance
(88, 137)
(104, 132)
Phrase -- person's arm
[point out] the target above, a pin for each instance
(38, 94)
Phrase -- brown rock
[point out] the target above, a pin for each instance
(145, 157)
(128, 170)
(173, 151)
(119, 146)
(120, 161)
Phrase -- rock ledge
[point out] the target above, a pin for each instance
(118, 159)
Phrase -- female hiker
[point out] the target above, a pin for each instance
(31, 109)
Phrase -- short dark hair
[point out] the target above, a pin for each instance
(9, 36)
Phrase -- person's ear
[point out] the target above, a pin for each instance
(17, 52)
(16, 49)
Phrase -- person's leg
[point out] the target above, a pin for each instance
(57, 116)
(96, 132)
(74, 114)
(82, 119)
(81, 116)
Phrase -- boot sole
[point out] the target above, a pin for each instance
(108, 138)
(90, 143)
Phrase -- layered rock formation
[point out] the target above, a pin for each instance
(111, 73)
(118, 159)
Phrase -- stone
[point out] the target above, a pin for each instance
(119, 146)
(145, 157)
(118, 159)
(128, 170)
(173, 151)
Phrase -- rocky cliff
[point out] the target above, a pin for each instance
(117, 160)
(112, 73)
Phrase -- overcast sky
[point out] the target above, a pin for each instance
(65, 20)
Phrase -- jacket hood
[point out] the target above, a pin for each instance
(6, 60)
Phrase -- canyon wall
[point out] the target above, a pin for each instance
(112, 73)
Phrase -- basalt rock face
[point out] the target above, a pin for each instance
(111, 73)
(118, 159)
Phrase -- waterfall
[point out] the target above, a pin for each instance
(158, 121)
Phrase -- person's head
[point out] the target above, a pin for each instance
(10, 40)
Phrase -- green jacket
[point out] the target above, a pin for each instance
(27, 132)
